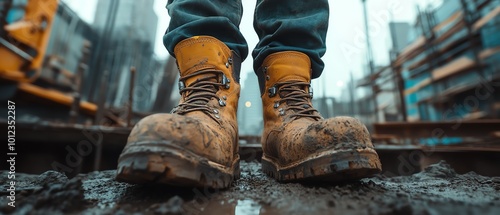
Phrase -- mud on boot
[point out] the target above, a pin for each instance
(298, 144)
(197, 144)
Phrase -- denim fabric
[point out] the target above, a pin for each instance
(292, 25)
(219, 19)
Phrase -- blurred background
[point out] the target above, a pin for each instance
(423, 75)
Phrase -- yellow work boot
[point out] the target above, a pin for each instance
(298, 143)
(197, 144)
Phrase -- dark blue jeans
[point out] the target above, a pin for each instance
(282, 25)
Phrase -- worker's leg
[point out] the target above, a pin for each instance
(197, 144)
(297, 143)
(292, 25)
(219, 19)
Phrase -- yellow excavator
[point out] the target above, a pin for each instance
(24, 36)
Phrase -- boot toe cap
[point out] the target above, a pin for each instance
(339, 133)
(160, 132)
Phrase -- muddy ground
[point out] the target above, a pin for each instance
(436, 190)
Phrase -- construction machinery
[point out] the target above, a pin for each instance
(24, 37)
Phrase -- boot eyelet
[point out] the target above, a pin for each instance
(216, 111)
(230, 60)
(276, 105)
(272, 91)
(311, 92)
(222, 103)
(227, 65)
(224, 97)
(181, 85)
(281, 112)
(268, 78)
(226, 81)
(217, 116)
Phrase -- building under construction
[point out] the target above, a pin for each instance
(448, 73)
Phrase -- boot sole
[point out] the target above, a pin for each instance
(326, 166)
(171, 165)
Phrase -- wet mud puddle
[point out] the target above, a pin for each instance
(436, 190)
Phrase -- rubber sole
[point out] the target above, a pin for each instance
(174, 166)
(326, 166)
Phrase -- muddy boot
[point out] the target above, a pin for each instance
(196, 145)
(298, 143)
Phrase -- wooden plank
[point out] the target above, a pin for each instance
(411, 50)
(418, 86)
(413, 118)
(460, 128)
(456, 16)
(416, 44)
(485, 19)
(453, 67)
(441, 51)
(489, 52)
(449, 33)
(475, 115)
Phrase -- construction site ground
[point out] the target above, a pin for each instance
(438, 189)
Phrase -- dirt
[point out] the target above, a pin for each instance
(436, 190)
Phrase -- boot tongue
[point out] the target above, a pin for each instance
(288, 67)
(195, 55)
(290, 72)
(200, 53)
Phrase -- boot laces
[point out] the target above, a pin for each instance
(199, 93)
(297, 99)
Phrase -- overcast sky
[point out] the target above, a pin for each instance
(345, 42)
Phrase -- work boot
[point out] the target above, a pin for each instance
(298, 143)
(197, 144)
